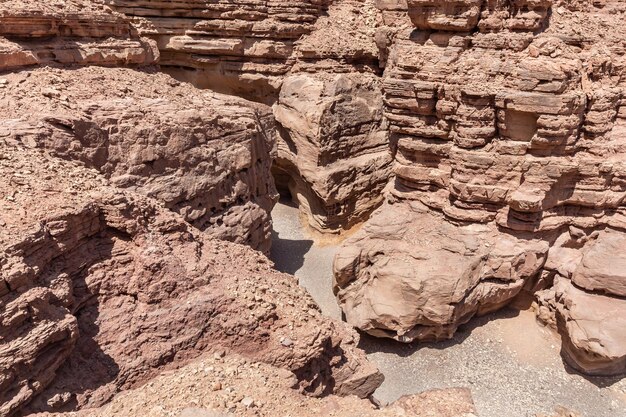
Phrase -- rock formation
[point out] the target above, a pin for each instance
(507, 121)
(101, 288)
(68, 32)
(217, 386)
(204, 155)
(126, 193)
(333, 152)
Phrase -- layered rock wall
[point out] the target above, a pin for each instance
(507, 121)
(241, 47)
(68, 33)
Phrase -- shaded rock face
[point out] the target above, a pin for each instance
(506, 121)
(235, 47)
(102, 288)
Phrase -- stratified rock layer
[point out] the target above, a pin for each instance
(204, 155)
(334, 150)
(69, 32)
(506, 118)
(101, 288)
(236, 47)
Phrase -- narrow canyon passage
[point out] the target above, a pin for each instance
(511, 364)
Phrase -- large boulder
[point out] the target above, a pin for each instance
(333, 152)
(585, 304)
(410, 275)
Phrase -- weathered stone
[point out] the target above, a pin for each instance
(333, 151)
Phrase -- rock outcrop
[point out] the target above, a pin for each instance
(101, 288)
(586, 302)
(204, 155)
(507, 121)
(68, 32)
(236, 47)
(333, 152)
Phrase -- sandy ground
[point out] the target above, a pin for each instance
(512, 365)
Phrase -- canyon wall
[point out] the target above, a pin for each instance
(119, 187)
(102, 288)
(333, 154)
(507, 123)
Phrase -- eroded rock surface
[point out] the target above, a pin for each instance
(101, 288)
(420, 279)
(68, 32)
(333, 152)
(586, 303)
(204, 155)
(235, 47)
(506, 118)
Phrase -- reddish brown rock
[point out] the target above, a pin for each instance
(204, 155)
(410, 275)
(585, 304)
(257, 389)
(72, 32)
(102, 288)
(506, 117)
(239, 47)
(333, 151)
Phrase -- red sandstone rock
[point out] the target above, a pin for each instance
(507, 117)
(102, 288)
(204, 155)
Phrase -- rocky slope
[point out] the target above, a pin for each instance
(209, 156)
(507, 121)
(231, 385)
(204, 155)
(101, 288)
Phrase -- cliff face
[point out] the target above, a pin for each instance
(507, 121)
(500, 124)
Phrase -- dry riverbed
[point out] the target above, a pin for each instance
(511, 364)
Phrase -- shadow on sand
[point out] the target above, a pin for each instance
(287, 254)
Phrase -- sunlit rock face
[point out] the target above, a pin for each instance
(507, 120)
